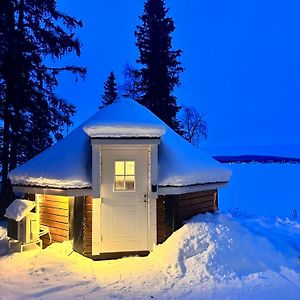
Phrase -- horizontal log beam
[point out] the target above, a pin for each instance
(54, 211)
(62, 199)
(58, 238)
(58, 205)
(54, 218)
(60, 232)
(54, 224)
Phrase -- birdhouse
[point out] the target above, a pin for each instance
(22, 223)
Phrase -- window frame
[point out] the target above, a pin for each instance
(124, 175)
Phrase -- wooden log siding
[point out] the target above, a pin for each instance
(161, 219)
(173, 210)
(54, 213)
(87, 226)
(194, 203)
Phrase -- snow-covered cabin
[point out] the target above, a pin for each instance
(120, 183)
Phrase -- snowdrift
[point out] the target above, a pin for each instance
(213, 256)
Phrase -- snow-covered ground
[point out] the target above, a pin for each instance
(263, 189)
(213, 256)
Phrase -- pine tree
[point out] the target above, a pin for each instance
(160, 66)
(110, 90)
(32, 116)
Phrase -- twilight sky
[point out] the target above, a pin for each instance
(242, 61)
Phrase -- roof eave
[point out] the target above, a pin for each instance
(31, 189)
(191, 188)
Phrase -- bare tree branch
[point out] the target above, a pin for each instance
(194, 125)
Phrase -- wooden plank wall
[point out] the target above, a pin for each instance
(161, 219)
(173, 210)
(194, 203)
(54, 213)
(87, 226)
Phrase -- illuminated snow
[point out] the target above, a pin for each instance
(18, 209)
(211, 257)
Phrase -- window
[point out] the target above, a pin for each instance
(124, 175)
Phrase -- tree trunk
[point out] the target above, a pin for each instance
(9, 21)
(5, 162)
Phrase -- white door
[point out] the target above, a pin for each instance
(124, 208)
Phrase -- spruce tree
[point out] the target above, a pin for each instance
(33, 35)
(160, 66)
(110, 90)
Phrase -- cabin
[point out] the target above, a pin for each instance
(120, 183)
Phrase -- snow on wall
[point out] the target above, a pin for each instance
(18, 209)
(67, 164)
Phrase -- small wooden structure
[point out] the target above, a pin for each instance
(120, 183)
(22, 224)
(173, 210)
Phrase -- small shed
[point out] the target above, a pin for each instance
(22, 225)
(120, 183)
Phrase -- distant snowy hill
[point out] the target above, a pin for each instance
(292, 151)
(264, 154)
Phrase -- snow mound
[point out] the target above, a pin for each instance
(215, 247)
(18, 209)
(3, 239)
(212, 256)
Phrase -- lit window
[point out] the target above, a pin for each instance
(124, 175)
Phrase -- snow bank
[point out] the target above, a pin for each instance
(18, 209)
(218, 248)
(213, 256)
(67, 164)
(3, 239)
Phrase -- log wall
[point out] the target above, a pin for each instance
(87, 226)
(173, 210)
(54, 213)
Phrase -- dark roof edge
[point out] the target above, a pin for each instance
(194, 184)
(31, 189)
(183, 189)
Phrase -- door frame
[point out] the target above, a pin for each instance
(118, 151)
(151, 145)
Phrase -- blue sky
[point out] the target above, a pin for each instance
(242, 61)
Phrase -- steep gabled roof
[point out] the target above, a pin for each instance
(67, 164)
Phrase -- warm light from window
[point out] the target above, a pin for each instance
(124, 175)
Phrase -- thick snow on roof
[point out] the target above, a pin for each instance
(182, 164)
(67, 164)
(18, 209)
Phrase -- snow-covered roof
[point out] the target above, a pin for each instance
(67, 164)
(18, 209)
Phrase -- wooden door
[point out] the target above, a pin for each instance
(124, 206)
